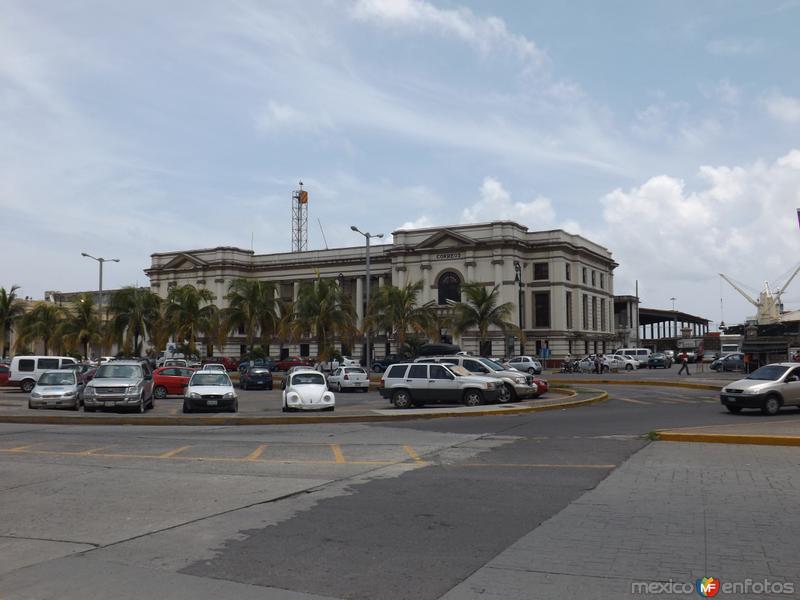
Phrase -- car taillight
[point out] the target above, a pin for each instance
(381, 385)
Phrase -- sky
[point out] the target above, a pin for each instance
(668, 131)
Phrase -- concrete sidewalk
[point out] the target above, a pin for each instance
(673, 512)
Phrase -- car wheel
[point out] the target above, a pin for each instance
(31, 406)
(772, 405)
(532, 371)
(506, 394)
(629, 367)
(186, 408)
(473, 398)
(734, 409)
(235, 407)
(77, 405)
(160, 392)
(401, 399)
(27, 386)
(377, 369)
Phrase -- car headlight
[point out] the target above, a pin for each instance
(327, 396)
(194, 395)
(89, 392)
(35, 394)
(132, 390)
(520, 380)
(229, 396)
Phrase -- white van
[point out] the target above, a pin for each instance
(640, 354)
(25, 370)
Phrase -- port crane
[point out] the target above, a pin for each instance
(769, 305)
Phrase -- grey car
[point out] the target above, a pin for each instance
(120, 384)
(516, 384)
(57, 389)
(730, 362)
(768, 388)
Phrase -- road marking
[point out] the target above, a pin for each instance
(412, 453)
(255, 453)
(337, 454)
(682, 401)
(533, 466)
(633, 401)
(175, 452)
(18, 448)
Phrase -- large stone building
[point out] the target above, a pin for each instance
(562, 282)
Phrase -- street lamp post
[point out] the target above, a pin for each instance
(674, 318)
(368, 236)
(100, 262)
(518, 279)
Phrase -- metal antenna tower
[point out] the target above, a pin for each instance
(300, 220)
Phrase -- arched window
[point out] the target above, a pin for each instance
(449, 287)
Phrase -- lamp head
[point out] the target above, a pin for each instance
(84, 254)
(354, 228)
(380, 235)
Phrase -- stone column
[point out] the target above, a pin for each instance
(380, 281)
(426, 283)
(295, 291)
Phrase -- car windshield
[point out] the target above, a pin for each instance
(768, 373)
(259, 371)
(109, 371)
(491, 364)
(355, 370)
(658, 355)
(308, 379)
(209, 379)
(57, 379)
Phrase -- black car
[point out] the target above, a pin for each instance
(379, 365)
(255, 377)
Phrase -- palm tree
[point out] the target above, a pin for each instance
(188, 310)
(82, 324)
(160, 330)
(41, 323)
(481, 311)
(251, 306)
(134, 311)
(285, 318)
(396, 310)
(11, 310)
(215, 330)
(323, 310)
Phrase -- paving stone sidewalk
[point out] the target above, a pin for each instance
(674, 512)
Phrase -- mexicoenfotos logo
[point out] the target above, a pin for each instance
(708, 587)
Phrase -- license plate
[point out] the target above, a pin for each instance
(109, 404)
(211, 402)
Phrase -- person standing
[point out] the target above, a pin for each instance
(684, 363)
(699, 358)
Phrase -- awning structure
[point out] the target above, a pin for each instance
(659, 324)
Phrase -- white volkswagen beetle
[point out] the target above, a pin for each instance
(306, 390)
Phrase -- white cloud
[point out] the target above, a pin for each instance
(783, 108)
(735, 47)
(485, 33)
(495, 204)
(675, 241)
(421, 223)
(277, 116)
(722, 91)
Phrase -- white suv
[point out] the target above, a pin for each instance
(516, 385)
(416, 384)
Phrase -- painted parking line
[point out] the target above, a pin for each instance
(632, 401)
(173, 452)
(338, 455)
(413, 454)
(255, 454)
(531, 466)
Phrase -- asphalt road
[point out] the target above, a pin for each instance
(402, 510)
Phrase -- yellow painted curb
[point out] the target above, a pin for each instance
(678, 384)
(239, 420)
(730, 438)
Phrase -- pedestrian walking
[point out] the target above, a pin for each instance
(747, 363)
(699, 358)
(684, 363)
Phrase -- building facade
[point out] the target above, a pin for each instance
(561, 285)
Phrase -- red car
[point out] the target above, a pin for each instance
(285, 364)
(170, 381)
(5, 373)
(229, 363)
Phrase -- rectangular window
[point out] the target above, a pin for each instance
(569, 346)
(586, 347)
(594, 279)
(305, 350)
(602, 314)
(568, 271)
(569, 310)
(439, 372)
(418, 372)
(541, 271)
(396, 372)
(27, 365)
(594, 313)
(602, 281)
(47, 363)
(585, 311)
(584, 274)
(541, 307)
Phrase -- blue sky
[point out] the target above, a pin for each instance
(668, 131)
